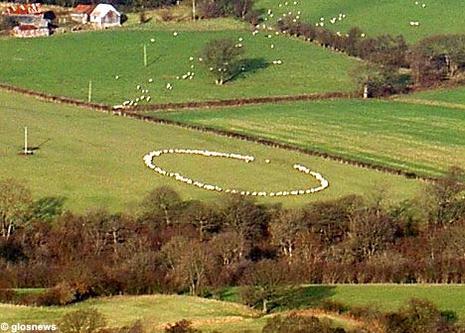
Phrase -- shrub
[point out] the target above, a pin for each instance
(334, 306)
(183, 326)
(136, 327)
(82, 321)
(299, 324)
(243, 9)
(61, 294)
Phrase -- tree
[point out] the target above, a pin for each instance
(246, 218)
(222, 57)
(204, 217)
(380, 81)
(161, 204)
(263, 280)
(189, 262)
(370, 230)
(285, 228)
(444, 198)
(437, 58)
(15, 206)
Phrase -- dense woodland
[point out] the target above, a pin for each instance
(176, 246)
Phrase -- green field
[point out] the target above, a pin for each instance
(452, 97)
(419, 138)
(95, 160)
(156, 311)
(392, 297)
(376, 17)
(64, 65)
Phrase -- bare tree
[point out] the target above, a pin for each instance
(15, 206)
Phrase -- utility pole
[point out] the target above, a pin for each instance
(193, 10)
(89, 95)
(25, 141)
(145, 55)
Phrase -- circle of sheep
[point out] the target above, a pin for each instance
(148, 160)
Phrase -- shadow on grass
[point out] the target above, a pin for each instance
(286, 298)
(301, 297)
(247, 67)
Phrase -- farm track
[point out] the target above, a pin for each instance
(135, 114)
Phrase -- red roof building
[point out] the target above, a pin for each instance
(81, 13)
(24, 9)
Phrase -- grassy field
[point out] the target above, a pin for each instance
(376, 17)
(421, 138)
(154, 311)
(384, 297)
(392, 297)
(64, 65)
(452, 97)
(95, 160)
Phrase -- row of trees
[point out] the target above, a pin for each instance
(173, 245)
(432, 60)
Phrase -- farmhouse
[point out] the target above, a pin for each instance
(81, 14)
(105, 16)
(31, 20)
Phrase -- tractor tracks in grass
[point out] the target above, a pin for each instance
(136, 113)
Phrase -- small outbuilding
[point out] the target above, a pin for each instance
(30, 31)
(81, 13)
(105, 16)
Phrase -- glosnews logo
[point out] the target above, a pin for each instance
(19, 327)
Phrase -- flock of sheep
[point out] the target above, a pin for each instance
(148, 160)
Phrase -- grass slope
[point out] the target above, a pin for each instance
(64, 64)
(158, 310)
(95, 159)
(420, 138)
(377, 17)
(385, 297)
(454, 97)
(392, 297)
(154, 312)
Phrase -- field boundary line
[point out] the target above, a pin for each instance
(182, 105)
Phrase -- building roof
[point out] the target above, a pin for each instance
(103, 9)
(83, 9)
(24, 9)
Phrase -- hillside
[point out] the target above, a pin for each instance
(422, 138)
(113, 61)
(95, 160)
(376, 17)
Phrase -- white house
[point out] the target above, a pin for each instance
(104, 16)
